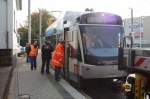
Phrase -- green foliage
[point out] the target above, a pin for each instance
(47, 19)
(23, 31)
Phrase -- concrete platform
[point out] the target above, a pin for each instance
(27, 84)
(5, 77)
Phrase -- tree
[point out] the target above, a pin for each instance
(47, 19)
(23, 31)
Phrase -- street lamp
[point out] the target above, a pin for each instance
(40, 27)
(131, 19)
(141, 30)
(131, 9)
(29, 21)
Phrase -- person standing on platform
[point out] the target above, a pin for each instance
(58, 59)
(27, 49)
(33, 54)
(46, 56)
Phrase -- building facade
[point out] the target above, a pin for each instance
(8, 30)
(140, 29)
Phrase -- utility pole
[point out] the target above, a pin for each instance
(132, 22)
(141, 30)
(131, 19)
(29, 21)
(40, 27)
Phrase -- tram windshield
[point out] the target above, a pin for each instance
(101, 41)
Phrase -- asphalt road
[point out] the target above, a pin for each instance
(103, 89)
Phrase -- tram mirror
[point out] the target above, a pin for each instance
(66, 29)
(65, 22)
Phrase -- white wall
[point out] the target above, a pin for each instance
(8, 23)
(15, 43)
(147, 28)
(145, 20)
(2, 24)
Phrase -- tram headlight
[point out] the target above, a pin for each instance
(127, 87)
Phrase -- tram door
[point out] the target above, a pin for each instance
(66, 66)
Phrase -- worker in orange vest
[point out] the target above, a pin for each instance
(57, 60)
(33, 54)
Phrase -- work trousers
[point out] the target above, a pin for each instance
(57, 73)
(33, 62)
(27, 59)
(46, 61)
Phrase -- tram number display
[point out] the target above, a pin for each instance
(93, 19)
(101, 18)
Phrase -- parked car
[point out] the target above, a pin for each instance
(20, 50)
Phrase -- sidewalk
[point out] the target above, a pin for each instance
(5, 75)
(26, 83)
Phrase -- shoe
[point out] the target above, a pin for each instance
(42, 72)
(47, 72)
(57, 80)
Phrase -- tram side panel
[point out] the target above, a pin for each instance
(72, 54)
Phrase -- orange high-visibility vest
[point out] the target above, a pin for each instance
(58, 56)
(34, 51)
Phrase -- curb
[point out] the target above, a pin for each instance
(7, 85)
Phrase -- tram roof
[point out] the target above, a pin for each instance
(57, 26)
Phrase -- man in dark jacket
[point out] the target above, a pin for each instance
(46, 56)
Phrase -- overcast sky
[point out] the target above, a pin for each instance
(120, 7)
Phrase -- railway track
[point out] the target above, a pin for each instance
(102, 89)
